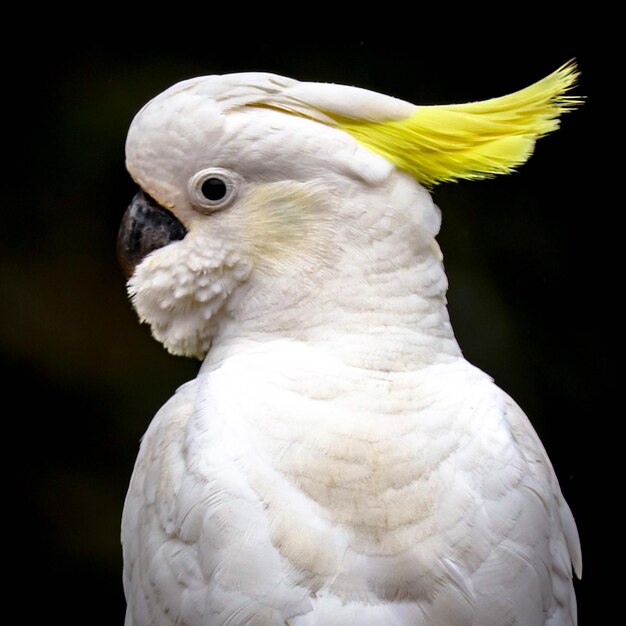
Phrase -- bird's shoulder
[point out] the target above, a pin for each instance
(565, 533)
(150, 516)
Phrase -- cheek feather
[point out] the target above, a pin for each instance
(180, 290)
(284, 221)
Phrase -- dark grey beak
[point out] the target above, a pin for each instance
(145, 227)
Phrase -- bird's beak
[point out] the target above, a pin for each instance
(145, 227)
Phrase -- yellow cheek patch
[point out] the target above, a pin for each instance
(283, 220)
(470, 141)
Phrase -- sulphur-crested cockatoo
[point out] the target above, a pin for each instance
(336, 462)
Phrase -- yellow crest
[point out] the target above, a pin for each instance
(474, 140)
(433, 143)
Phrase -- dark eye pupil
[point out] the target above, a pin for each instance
(214, 189)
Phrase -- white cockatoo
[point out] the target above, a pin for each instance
(336, 462)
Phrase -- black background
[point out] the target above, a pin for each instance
(528, 256)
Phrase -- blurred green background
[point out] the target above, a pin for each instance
(526, 255)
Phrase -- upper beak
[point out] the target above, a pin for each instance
(145, 227)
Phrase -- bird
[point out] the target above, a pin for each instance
(336, 461)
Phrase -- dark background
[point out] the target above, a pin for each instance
(528, 257)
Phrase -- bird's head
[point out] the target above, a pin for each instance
(255, 186)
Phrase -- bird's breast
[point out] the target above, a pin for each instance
(353, 468)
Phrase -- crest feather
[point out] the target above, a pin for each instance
(474, 140)
(442, 142)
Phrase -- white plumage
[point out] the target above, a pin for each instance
(336, 461)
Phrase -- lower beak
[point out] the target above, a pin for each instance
(146, 226)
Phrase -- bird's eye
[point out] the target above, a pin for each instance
(213, 189)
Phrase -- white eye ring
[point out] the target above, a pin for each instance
(213, 189)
